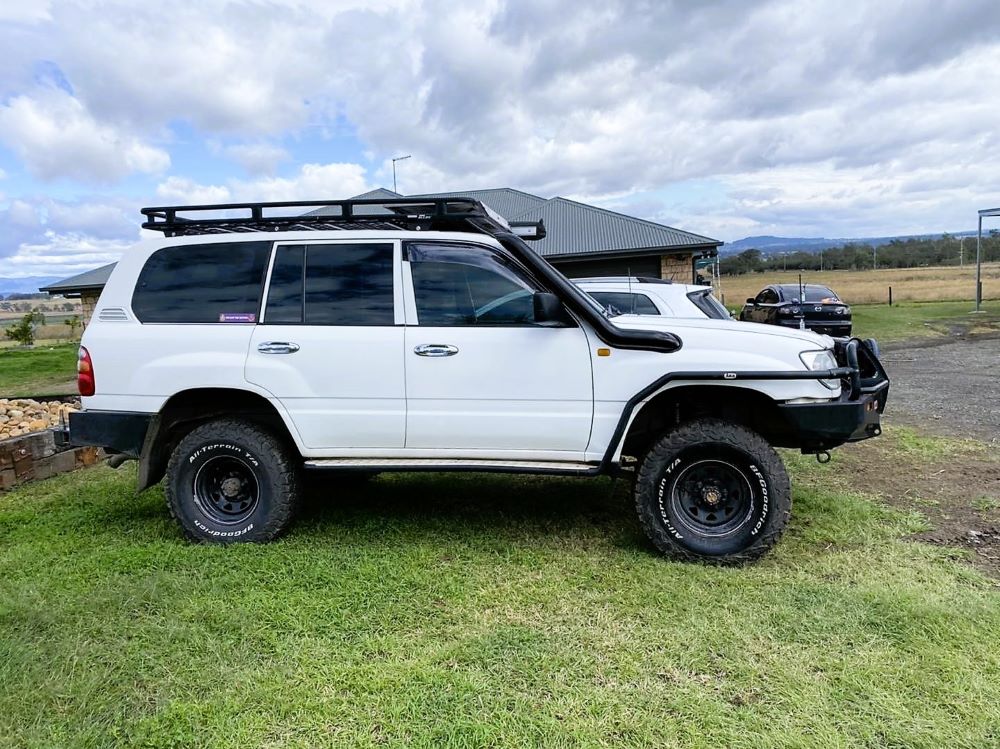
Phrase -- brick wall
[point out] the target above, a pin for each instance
(677, 268)
(88, 299)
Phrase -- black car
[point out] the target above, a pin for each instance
(817, 308)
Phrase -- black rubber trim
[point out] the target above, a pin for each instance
(570, 295)
(120, 431)
(826, 374)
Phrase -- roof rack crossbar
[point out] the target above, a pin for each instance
(442, 214)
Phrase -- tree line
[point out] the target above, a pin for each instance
(898, 253)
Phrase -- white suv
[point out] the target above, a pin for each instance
(237, 352)
(653, 296)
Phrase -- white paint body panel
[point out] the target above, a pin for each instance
(507, 388)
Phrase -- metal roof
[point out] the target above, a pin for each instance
(580, 229)
(91, 279)
(506, 201)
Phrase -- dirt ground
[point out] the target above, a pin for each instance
(950, 389)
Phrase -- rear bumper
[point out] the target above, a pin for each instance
(830, 327)
(115, 431)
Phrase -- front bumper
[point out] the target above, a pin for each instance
(856, 415)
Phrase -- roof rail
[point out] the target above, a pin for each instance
(415, 214)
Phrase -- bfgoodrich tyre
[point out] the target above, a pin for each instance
(230, 481)
(713, 491)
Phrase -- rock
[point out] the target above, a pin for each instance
(15, 414)
(38, 424)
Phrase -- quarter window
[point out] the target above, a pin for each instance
(202, 283)
(466, 285)
(331, 284)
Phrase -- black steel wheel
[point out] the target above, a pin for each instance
(231, 480)
(713, 491)
(226, 489)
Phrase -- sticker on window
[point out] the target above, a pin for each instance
(237, 317)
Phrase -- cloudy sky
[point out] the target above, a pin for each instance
(729, 118)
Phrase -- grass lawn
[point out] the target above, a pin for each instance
(476, 610)
(923, 319)
(911, 320)
(42, 370)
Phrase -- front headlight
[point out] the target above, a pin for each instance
(818, 361)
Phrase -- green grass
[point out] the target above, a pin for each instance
(38, 371)
(912, 320)
(921, 319)
(482, 611)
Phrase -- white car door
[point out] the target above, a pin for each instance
(481, 374)
(329, 345)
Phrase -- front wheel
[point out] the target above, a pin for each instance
(232, 480)
(713, 491)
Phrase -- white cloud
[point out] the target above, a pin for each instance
(312, 182)
(55, 136)
(181, 190)
(848, 120)
(257, 158)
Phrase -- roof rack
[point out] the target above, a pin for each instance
(424, 214)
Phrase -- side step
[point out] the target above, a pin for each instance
(564, 468)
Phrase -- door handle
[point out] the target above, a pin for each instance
(277, 347)
(435, 349)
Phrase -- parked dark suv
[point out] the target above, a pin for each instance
(818, 307)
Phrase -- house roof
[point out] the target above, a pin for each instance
(91, 279)
(574, 228)
(506, 201)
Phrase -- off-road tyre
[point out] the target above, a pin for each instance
(232, 481)
(713, 491)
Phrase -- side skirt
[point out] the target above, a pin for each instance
(378, 465)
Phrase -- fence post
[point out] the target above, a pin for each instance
(890, 296)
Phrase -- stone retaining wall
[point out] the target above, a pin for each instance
(36, 456)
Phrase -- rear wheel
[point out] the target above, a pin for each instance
(232, 480)
(713, 491)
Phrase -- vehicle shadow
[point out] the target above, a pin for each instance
(500, 502)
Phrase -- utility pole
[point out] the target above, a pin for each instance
(961, 252)
(875, 257)
(398, 158)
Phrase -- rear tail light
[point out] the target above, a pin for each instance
(85, 373)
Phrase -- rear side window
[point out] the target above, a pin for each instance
(626, 303)
(202, 283)
(708, 304)
(331, 284)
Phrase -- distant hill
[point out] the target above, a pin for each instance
(28, 284)
(771, 245)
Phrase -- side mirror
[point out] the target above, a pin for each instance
(751, 300)
(547, 306)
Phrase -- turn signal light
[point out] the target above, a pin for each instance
(85, 373)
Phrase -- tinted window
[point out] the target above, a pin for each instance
(202, 283)
(284, 294)
(708, 304)
(626, 303)
(343, 284)
(464, 285)
(810, 293)
(767, 296)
